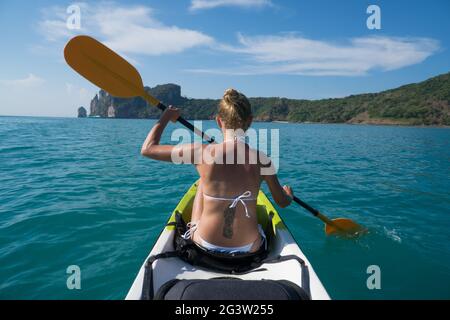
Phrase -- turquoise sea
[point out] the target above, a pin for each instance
(77, 192)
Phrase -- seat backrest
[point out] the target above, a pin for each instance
(230, 289)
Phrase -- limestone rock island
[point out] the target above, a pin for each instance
(82, 113)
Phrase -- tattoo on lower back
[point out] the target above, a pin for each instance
(228, 222)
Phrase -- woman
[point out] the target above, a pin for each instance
(224, 210)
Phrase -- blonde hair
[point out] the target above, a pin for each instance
(235, 110)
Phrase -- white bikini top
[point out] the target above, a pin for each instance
(246, 196)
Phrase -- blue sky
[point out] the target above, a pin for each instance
(296, 49)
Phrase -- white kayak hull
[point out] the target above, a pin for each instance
(284, 244)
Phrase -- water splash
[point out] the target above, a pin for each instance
(392, 234)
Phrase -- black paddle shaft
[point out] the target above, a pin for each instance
(188, 125)
(315, 212)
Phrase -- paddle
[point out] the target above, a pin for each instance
(339, 226)
(109, 71)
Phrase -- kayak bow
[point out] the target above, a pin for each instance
(165, 270)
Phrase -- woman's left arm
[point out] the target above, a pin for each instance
(151, 147)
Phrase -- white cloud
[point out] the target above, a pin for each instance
(127, 29)
(54, 30)
(156, 41)
(290, 54)
(210, 4)
(134, 30)
(78, 92)
(30, 81)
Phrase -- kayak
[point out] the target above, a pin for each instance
(283, 244)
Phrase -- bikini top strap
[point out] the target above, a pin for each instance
(245, 196)
(242, 198)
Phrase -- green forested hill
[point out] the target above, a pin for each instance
(424, 103)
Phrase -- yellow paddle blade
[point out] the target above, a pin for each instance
(343, 226)
(103, 67)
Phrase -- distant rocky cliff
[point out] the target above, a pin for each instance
(107, 106)
(424, 103)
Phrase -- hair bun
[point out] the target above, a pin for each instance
(235, 110)
(230, 92)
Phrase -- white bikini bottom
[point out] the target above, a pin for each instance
(212, 247)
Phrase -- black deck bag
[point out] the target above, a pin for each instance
(236, 263)
(198, 256)
(230, 289)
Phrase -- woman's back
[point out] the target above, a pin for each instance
(224, 210)
(231, 175)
